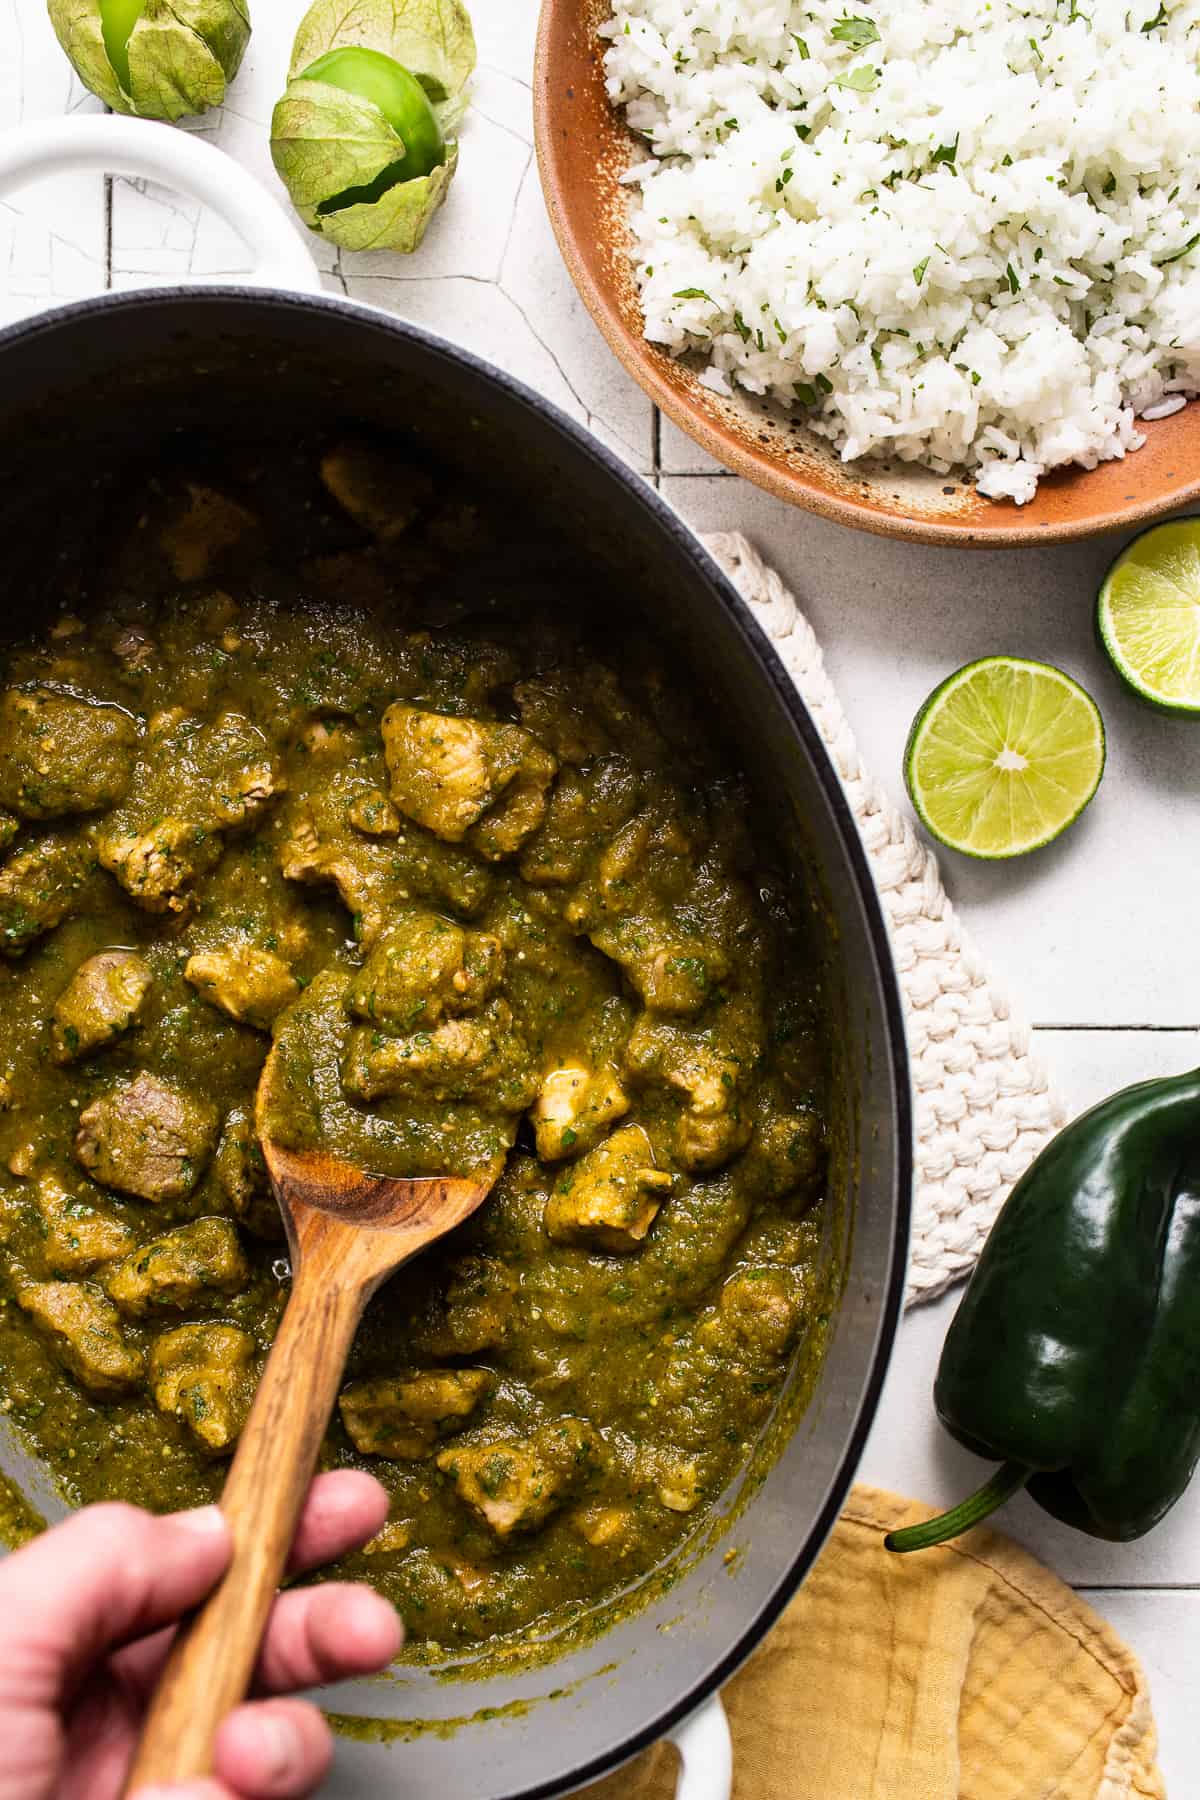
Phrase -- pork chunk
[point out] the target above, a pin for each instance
(60, 755)
(672, 974)
(83, 1329)
(233, 762)
(466, 779)
(787, 1155)
(195, 1264)
(584, 809)
(204, 1376)
(79, 1234)
(380, 493)
(372, 813)
(157, 867)
(402, 1417)
(307, 857)
(40, 885)
(574, 1109)
(148, 1138)
(242, 1173)
(381, 878)
(249, 984)
(208, 523)
(611, 1197)
(608, 1528)
(759, 1313)
(713, 1124)
(483, 1058)
(515, 1484)
(423, 968)
(105, 996)
(475, 1313)
(194, 782)
(503, 830)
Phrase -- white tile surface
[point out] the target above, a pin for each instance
(52, 238)
(1099, 928)
(1166, 1627)
(1098, 931)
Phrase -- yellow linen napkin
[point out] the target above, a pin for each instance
(967, 1672)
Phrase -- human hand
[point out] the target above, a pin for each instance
(87, 1612)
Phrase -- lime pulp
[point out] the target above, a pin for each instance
(1003, 756)
(1148, 616)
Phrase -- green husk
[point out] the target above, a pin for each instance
(329, 141)
(432, 39)
(396, 222)
(326, 142)
(182, 54)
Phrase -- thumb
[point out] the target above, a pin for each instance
(108, 1575)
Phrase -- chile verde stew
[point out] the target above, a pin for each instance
(322, 750)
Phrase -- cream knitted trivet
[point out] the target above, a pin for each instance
(983, 1105)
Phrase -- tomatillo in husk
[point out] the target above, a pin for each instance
(155, 59)
(362, 136)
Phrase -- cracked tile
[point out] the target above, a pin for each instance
(536, 279)
(678, 454)
(505, 35)
(504, 99)
(52, 236)
(470, 233)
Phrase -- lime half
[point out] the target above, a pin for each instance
(1148, 616)
(1003, 756)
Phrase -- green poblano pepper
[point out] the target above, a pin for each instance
(1074, 1357)
(160, 59)
(363, 137)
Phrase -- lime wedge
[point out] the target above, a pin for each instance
(1003, 756)
(1148, 616)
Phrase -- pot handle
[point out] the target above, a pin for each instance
(706, 1751)
(177, 159)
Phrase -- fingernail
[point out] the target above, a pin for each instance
(280, 1747)
(205, 1521)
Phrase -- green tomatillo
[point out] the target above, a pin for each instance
(159, 59)
(404, 104)
(363, 136)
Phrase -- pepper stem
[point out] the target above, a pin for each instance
(1008, 1480)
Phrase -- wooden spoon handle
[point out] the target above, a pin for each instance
(212, 1660)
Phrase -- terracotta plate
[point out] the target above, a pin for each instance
(583, 147)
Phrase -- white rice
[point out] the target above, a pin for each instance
(973, 238)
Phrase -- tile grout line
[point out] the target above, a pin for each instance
(108, 233)
(1134, 1026)
(1135, 1587)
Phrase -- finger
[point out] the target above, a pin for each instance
(313, 1636)
(326, 1633)
(273, 1750)
(204, 1788)
(342, 1511)
(109, 1574)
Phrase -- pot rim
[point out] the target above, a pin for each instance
(639, 492)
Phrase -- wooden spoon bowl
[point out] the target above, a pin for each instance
(348, 1231)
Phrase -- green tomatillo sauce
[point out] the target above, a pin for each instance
(320, 753)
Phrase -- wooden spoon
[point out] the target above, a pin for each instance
(348, 1232)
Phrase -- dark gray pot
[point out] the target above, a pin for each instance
(83, 389)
